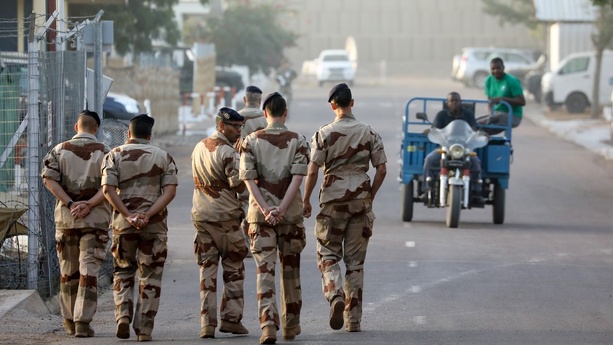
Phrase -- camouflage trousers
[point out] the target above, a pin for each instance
(342, 230)
(146, 253)
(290, 241)
(80, 253)
(224, 240)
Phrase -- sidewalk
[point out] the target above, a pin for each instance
(592, 134)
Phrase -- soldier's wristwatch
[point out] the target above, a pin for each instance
(69, 203)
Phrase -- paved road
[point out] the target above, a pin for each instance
(544, 277)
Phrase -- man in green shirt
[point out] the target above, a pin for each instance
(500, 86)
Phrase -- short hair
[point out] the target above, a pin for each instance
(454, 93)
(497, 60)
(276, 106)
(86, 122)
(253, 97)
(342, 98)
(140, 129)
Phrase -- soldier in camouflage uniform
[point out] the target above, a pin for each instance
(217, 215)
(344, 224)
(277, 159)
(139, 180)
(72, 173)
(254, 117)
(254, 121)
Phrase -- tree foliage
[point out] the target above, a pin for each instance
(137, 23)
(603, 2)
(249, 35)
(516, 12)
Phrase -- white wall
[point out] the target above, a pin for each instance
(567, 38)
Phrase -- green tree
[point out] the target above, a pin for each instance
(516, 12)
(602, 38)
(137, 23)
(250, 35)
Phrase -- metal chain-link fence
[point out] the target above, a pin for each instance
(41, 95)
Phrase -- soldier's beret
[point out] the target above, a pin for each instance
(270, 98)
(253, 89)
(92, 114)
(229, 114)
(335, 89)
(143, 117)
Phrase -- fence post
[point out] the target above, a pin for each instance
(32, 168)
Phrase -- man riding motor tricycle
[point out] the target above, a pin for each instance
(454, 164)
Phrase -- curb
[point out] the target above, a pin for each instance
(589, 134)
(28, 300)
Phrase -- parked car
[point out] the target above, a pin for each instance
(474, 65)
(571, 83)
(120, 107)
(117, 110)
(334, 65)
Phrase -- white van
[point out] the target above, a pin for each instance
(571, 84)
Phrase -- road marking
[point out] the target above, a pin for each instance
(415, 289)
(410, 244)
(419, 320)
(412, 263)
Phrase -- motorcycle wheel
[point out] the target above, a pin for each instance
(498, 204)
(407, 202)
(454, 206)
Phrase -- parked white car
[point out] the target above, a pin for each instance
(334, 65)
(571, 83)
(474, 65)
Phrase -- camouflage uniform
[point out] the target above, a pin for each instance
(271, 156)
(344, 224)
(217, 214)
(254, 120)
(81, 243)
(139, 171)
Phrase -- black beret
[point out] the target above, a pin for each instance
(229, 114)
(143, 117)
(270, 97)
(253, 89)
(335, 89)
(91, 114)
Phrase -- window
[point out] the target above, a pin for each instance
(515, 58)
(339, 57)
(575, 65)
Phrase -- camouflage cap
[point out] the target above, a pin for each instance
(335, 89)
(253, 89)
(143, 117)
(229, 114)
(269, 98)
(92, 114)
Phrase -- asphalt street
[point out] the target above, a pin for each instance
(543, 277)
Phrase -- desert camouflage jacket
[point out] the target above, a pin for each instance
(344, 149)
(271, 156)
(75, 165)
(215, 169)
(139, 170)
(254, 120)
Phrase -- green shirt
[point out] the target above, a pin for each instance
(508, 86)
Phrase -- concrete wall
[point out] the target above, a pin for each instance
(411, 36)
(158, 84)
